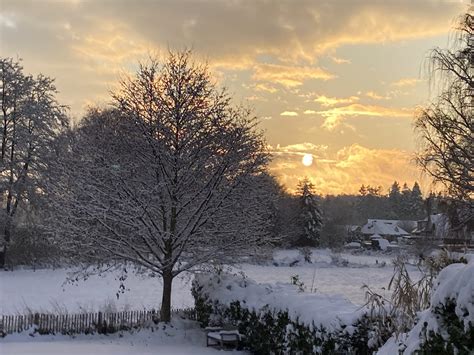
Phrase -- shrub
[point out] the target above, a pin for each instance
(447, 325)
(271, 328)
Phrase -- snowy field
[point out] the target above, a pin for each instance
(45, 290)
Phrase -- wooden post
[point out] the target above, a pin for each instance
(99, 322)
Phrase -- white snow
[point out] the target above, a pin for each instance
(43, 290)
(182, 337)
(337, 293)
(330, 311)
(383, 243)
(287, 257)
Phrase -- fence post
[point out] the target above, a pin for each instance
(99, 323)
(36, 320)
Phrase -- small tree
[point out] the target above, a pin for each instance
(310, 214)
(167, 180)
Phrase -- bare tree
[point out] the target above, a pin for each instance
(31, 120)
(166, 180)
(446, 126)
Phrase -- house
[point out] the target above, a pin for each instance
(385, 228)
(435, 226)
(438, 227)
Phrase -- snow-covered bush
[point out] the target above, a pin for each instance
(447, 326)
(281, 319)
(292, 257)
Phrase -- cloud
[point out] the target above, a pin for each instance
(406, 82)
(310, 112)
(94, 40)
(299, 148)
(334, 116)
(256, 98)
(7, 21)
(340, 60)
(289, 113)
(373, 95)
(347, 169)
(288, 76)
(265, 88)
(333, 101)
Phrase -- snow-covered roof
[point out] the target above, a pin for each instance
(383, 243)
(352, 227)
(383, 227)
(439, 225)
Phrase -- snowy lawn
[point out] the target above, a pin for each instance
(184, 337)
(44, 290)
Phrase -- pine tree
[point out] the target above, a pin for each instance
(416, 201)
(405, 206)
(310, 216)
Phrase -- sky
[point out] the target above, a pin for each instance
(338, 79)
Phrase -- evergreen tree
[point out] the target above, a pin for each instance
(363, 190)
(394, 194)
(416, 200)
(310, 214)
(394, 200)
(404, 209)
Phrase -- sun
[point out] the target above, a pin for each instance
(307, 159)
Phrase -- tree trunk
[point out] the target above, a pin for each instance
(6, 242)
(165, 314)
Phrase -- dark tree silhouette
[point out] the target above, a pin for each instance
(446, 126)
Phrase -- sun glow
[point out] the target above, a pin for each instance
(307, 159)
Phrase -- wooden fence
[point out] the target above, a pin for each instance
(84, 323)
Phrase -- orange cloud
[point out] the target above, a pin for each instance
(299, 149)
(289, 113)
(340, 60)
(334, 116)
(373, 95)
(288, 76)
(333, 101)
(347, 169)
(265, 88)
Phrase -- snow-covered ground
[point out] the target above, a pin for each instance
(184, 337)
(44, 290)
